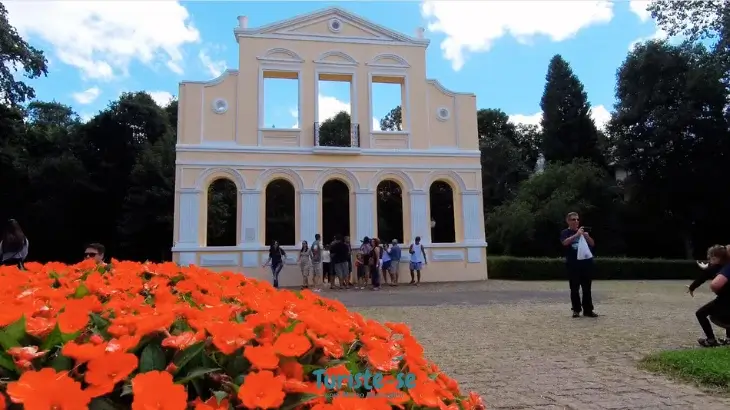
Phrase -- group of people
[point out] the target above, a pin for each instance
(14, 247)
(332, 264)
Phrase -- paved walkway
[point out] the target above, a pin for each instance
(516, 344)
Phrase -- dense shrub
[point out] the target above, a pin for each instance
(159, 336)
(507, 267)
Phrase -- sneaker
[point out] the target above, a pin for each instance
(576, 314)
(590, 314)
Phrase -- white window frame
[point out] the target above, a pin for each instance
(405, 108)
(347, 70)
(293, 67)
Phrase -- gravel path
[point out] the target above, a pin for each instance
(515, 342)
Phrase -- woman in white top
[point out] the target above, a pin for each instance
(13, 245)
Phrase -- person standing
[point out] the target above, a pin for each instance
(348, 279)
(305, 263)
(385, 262)
(375, 263)
(366, 251)
(316, 256)
(276, 261)
(13, 245)
(338, 254)
(580, 272)
(418, 259)
(395, 255)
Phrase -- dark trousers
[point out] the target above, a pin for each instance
(375, 275)
(580, 276)
(713, 308)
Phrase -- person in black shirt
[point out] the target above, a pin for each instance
(719, 308)
(339, 254)
(579, 271)
(276, 255)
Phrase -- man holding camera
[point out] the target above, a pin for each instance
(579, 271)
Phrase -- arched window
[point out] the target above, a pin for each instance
(390, 211)
(335, 210)
(280, 213)
(441, 198)
(222, 213)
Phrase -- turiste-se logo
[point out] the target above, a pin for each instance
(366, 379)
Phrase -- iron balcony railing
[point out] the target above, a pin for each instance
(330, 134)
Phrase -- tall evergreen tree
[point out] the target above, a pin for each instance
(568, 131)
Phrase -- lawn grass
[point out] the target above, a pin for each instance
(705, 367)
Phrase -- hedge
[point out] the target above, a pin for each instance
(512, 268)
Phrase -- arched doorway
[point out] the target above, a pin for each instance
(335, 210)
(443, 228)
(390, 211)
(280, 213)
(222, 217)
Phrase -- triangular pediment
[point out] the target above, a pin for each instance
(332, 24)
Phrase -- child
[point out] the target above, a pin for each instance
(360, 266)
(718, 259)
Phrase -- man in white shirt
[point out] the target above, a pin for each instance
(418, 259)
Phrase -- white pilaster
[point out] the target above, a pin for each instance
(250, 216)
(365, 211)
(308, 214)
(189, 220)
(472, 213)
(420, 224)
(473, 230)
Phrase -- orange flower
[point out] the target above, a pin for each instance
(73, 319)
(262, 390)
(46, 389)
(350, 402)
(391, 393)
(103, 373)
(292, 345)
(155, 390)
(83, 353)
(425, 394)
(262, 357)
(183, 340)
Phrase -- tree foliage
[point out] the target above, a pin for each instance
(568, 131)
(336, 131)
(393, 121)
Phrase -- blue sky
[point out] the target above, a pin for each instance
(496, 49)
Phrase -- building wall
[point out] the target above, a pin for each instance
(221, 134)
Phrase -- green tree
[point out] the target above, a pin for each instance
(393, 121)
(670, 134)
(17, 54)
(529, 223)
(694, 19)
(335, 131)
(568, 131)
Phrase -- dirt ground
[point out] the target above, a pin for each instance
(517, 345)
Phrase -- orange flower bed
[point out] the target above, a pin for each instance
(158, 336)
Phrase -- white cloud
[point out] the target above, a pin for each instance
(162, 98)
(638, 7)
(102, 38)
(328, 108)
(376, 124)
(599, 113)
(215, 68)
(659, 34)
(474, 26)
(87, 96)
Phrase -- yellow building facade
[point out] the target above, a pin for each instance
(222, 136)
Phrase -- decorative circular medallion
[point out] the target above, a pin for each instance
(220, 106)
(335, 25)
(443, 113)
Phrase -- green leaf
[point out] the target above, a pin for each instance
(208, 362)
(81, 291)
(296, 400)
(61, 362)
(56, 338)
(188, 354)
(100, 324)
(237, 366)
(196, 373)
(291, 326)
(152, 358)
(103, 404)
(7, 342)
(220, 396)
(16, 330)
(6, 362)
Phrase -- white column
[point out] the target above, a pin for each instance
(250, 216)
(188, 221)
(308, 214)
(420, 223)
(365, 211)
(473, 214)
(188, 225)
